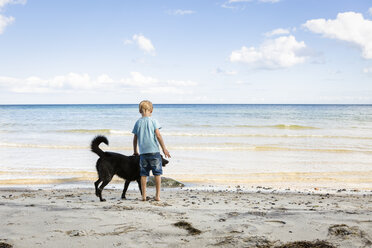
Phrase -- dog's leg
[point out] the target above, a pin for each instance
(104, 183)
(96, 185)
(139, 185)
(127, 182)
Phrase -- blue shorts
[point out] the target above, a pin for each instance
(150, 161)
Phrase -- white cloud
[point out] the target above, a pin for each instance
(128, 42)
(228, 6)
(181, 12)
(71, 81)
(104, 78)
(144, 44)
(370, 11)
(282, 52)
(239, 1)
(5, 2)
(232, 4)
(225, 72)
(367, 70)
(278, 31)
(5, 21)
(264, 1)
(139, 80)
(163, 89)
(177, 83)
(83, 82)
(348, 26)
(269, 1)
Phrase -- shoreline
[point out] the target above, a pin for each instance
(299, 180)
(170, 184)
(76, 218)
(217, 188)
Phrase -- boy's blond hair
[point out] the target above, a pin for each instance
(145, 105)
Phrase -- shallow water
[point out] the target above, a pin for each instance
(299, 145)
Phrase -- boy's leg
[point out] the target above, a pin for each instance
(144, 173)
(143, 186)
(157, 185)
(157, 171)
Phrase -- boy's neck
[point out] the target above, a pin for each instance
(146, 113)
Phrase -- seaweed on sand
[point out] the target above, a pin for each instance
(343, 230)
(5, 245)
(306, 244)
(185, 225)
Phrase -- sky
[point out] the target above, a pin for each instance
(190, 51)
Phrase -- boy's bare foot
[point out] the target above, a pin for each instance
(146, 198)
(157, 199)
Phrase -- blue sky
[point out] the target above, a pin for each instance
(232, 51)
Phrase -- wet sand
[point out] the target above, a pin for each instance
(184, 218)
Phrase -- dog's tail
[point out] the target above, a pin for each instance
(94, 146)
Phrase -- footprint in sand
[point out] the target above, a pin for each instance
(118, 231)
(160, 204)
(118, 207)
(76, 233)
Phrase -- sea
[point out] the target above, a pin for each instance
(228, 145)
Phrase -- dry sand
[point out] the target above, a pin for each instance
(184, 218)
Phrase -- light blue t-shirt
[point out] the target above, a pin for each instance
(145, 130)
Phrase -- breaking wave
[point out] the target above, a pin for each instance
(205, 134)
(218, 146)
(97, 131)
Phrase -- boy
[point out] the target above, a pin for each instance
(147, 135)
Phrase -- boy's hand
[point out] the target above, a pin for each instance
(135, 154)
(166, 153)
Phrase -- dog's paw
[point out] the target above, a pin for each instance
(103, 200)
(123, 197)
(98, 191)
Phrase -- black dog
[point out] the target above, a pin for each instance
(111, 163)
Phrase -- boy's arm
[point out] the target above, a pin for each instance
(161, 142)
(135, 149)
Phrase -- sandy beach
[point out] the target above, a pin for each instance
(261, 109)
(185, 218)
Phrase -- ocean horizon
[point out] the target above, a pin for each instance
(136, 104)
